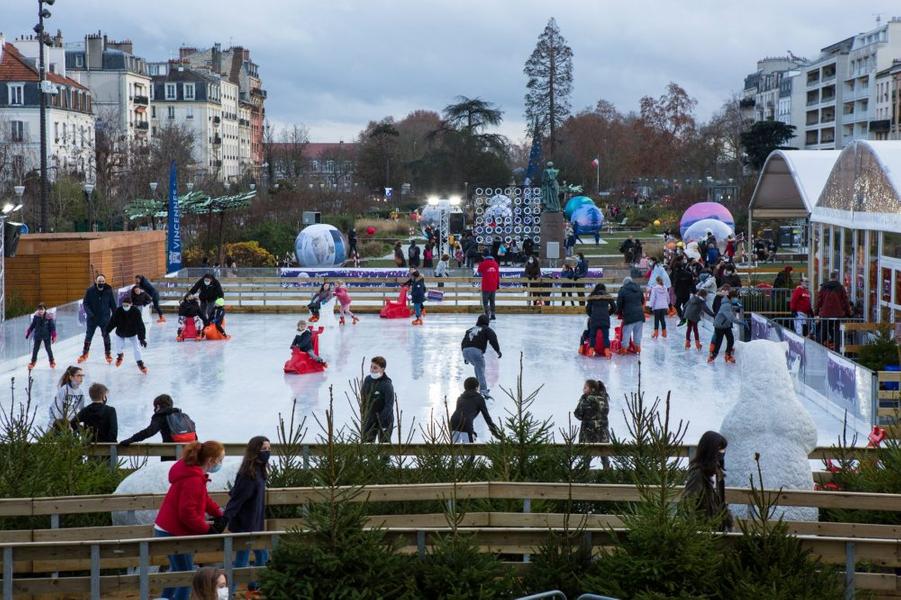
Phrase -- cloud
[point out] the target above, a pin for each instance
(336, 65)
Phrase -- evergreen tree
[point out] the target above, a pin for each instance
(762, 138)
(550, 73)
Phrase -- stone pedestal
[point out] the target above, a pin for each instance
(553, 228)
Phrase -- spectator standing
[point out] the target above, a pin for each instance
(491, 276)
(413, 254)
(800, 307)
(378, 398)
(832, 306)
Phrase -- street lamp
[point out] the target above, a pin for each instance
(44, 89)
(153, 186)
(88, 192)
(190, 186)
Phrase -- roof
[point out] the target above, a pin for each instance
(791, 182)
(863, 190)
(15, 67)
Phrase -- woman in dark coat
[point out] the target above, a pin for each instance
(705, 488)
(593, 410)
(532, 271)
(246, 508)
(598, 308)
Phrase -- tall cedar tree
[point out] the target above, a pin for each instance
(762, 138)
(550, 73)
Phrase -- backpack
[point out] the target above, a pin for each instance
(181, 427)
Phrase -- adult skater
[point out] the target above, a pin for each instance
(532, 271)
(598, 308)
(722, 327)
(491, 278)
(145, 285)
(165, 418)
(99, 304)
(43, 329)
(630, 307)
(683, 286)
(469, 405)
(128, 324)
(208, 290)
(377, 395)
(475, 343)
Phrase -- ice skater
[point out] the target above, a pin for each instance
(475, 343)
(659, 301)
(630, 307)
(188, 308)
(323, 295)
(303, 341)
(694, 308)
(43, 328)
(417, 296)
(99, 304)
(154, 295)
(469, 405)
(491, 277)
(217, 318)
(722, 327)
(208, 290)
(344, 301)
(128, 325)
(598, 308)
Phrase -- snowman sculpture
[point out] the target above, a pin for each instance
(768, 419)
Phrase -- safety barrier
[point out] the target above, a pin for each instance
(26, 563)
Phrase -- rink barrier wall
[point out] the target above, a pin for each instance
(508, 533)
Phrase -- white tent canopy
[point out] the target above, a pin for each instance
(790, 183)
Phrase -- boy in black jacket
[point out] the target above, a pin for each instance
(43, 328)
(128, 324)
(469, 405)
(98, 418)
(303, 341)
(474, 344)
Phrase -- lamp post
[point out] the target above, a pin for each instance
(7, 210)
(88, 192)
(43, 13)
(153, 186)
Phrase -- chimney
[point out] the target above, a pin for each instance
(93, 51)
(186, 51)
(216, 53)
(58, 39)
(125, 46)
(2, 45)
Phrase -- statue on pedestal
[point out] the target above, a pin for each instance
(550, 190)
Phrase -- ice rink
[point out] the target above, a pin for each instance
(236, 389)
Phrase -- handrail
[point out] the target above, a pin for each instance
(492, 490)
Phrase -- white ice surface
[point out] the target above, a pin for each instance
(236, 389)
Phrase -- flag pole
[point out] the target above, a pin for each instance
(597, 166)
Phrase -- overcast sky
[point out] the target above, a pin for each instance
(333, 65)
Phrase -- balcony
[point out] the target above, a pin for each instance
(258, 92)
(881, 126)
(142, 125)
(244, 122)
(142, 100)
(217, 140)
(216, 120)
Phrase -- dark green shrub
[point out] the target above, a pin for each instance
(275, 236)
(881, 351)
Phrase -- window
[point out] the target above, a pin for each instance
(153, 112)
(81, 131)
(170, 91)
(56, 132)
(17, 131)
(79, 60)
(152, 92)
(190, 112)
(189, 91)
(16, 94)
(171, 114)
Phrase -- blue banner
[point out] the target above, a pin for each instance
(173, 249)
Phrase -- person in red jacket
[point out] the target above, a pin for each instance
(832, 304)
(800, 307)
(187, 503)
(491, 278)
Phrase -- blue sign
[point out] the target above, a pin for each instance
(173, 250)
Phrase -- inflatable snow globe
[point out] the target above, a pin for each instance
(320, 245)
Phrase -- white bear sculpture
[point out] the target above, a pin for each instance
(768, 419)
(153, 478)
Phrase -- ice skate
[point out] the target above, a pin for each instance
(119, 359)
(608, 354)
(654, 335)
(314, 318)
(109, 359)
(83, 357)
(141, 366)
(52, 364)
(699, 346)
(354, 320)
(730, 358)
(710, 359)
(664, 333)
(162, 319)
(31, 366)
(341, 321)
(680, 323)
(687, 344)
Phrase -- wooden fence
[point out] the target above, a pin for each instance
(29, 556)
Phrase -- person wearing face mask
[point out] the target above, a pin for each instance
(377, 393)
(705, 487)
(187, 504)
(246, 508)
(98, 419)
(209, 583)
(165, 416)
(208, 290)
(128, 324)
(99, 304)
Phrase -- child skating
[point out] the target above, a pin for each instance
(217, 318)
(417, 295)
(128, 325)
(344, 301)
(43, 328)
(722, 327)
(692, 311)
(659, 301)
(303, 341)
(189, 309)
(323, 295)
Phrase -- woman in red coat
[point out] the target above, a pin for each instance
(799, 305)
(187, 503)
